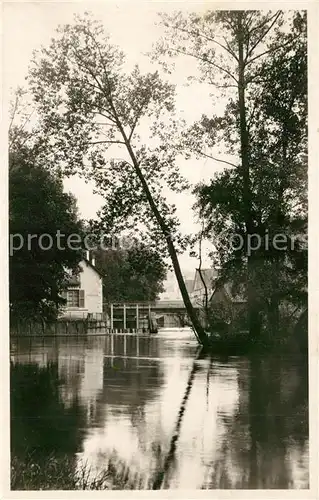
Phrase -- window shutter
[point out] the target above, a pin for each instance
(81, 298)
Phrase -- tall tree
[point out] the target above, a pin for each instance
(237, 53)
(87, 103)
(38, 207)
(133, 275)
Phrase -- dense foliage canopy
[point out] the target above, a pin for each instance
(38, 267)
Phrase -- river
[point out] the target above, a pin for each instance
(161, 413)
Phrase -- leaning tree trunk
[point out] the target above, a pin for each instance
(199, 330)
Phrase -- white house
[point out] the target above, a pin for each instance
(84, 294)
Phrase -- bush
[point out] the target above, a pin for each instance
(63, 472)
(55, 473)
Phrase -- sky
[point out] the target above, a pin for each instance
(27, 26)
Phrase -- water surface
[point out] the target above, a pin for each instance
(162, 413)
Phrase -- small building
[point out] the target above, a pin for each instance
(84, 293)
(228, 303)
(225, 303)
(203, 283)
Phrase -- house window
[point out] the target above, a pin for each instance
(73, 298)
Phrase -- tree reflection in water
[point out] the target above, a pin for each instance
(144, 409)
(40, 421)
(170, 459)
(43, 429)
(271, 422)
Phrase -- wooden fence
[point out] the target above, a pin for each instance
(42, 328)
(68, 328)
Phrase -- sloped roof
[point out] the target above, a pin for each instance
(93, 267)
(206, 275)
(189, 285)
(74, 278)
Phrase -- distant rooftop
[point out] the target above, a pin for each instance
(189, 285)
(192, 284)
(206, 275)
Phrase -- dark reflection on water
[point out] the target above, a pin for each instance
(169, 416)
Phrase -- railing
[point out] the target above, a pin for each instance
(128, 316)
(83, 315)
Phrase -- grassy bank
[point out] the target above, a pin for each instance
(55, 472)
(236, 342)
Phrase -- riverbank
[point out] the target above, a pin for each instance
(246, 348)
(60, 472)
(239, 344)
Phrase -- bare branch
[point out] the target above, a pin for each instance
(108, 95)
(226, 48)
(226, 86)
(105, 142)
(230, 50)
(216, 159)
(210, 39)
(207, 61)
(107, 117)
(260, 39)
(105, 124)
(21, 128)
(267, 20)
(272, 49)
(90, 34)
(134, 126)
(95, 78)
(229, 24)
(138, 114)
(28, 136)
(122, 160)
(249, 20)
(14, 111)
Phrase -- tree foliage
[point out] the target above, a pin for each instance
(257, 63)
(133, 275)
(89, 102)
(38, 206)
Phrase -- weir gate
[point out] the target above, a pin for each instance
(138, 316)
